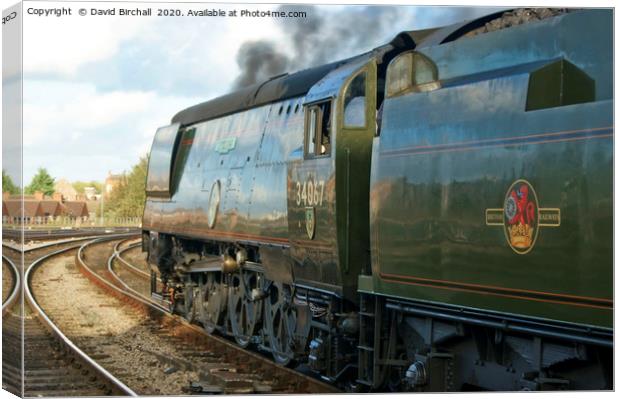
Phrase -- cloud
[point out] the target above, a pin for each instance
(183, 56)
(68, 126)
(11, 140)
(71, 108)
(60, 46)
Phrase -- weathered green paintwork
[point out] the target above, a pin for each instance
(445, 157)
(258, 158)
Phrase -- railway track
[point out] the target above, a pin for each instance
(34, 249)
(13, 256)
(53, 365)
(211, 364)
(10, 284)
(131, 277)
(11, 325)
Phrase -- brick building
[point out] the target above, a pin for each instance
(38, 209)
(17, 211)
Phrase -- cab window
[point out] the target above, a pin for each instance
(318, 130)
(355, 102)
(161, 159)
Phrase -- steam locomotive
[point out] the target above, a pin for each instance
(432, 215)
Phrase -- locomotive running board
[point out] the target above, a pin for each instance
(214, 264)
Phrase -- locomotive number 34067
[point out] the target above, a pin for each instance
(310, 193)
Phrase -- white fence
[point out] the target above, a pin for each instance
(66, 221)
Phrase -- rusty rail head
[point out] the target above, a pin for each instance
(15, 290)
(131, 267)
(93, 365)
(117, 291)
(119, 280)
(118, 244)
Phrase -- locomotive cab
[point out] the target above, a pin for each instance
(327, 200)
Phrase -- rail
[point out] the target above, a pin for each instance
(10, 300)
(15, 289)
(94, 366)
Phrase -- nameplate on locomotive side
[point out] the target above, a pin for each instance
(225, 145)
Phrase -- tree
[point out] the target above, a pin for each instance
(42, 181)
(7, 184)
(127, 199)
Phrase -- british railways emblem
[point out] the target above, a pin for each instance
(521, 217)
(310, 221)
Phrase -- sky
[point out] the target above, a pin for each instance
(96, 88)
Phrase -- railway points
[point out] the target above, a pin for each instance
(52, 364)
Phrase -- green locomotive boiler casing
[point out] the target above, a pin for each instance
(493, 190)
(430, 215)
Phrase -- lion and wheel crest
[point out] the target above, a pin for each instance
(521, 217)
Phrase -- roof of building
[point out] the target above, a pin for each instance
(51, 208)
(14, 208)
(75, 208)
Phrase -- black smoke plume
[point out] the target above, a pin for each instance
(322, 37)
(259, 60)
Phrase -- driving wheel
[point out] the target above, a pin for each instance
(280, 321)
(213, 297)
(243, 312)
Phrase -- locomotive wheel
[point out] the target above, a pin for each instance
(213, 302)
(280, 321)
(189, 301)
(243, 313)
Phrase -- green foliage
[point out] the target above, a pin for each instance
(80, 185)
(8, 185)
(127, 199)
(42, 181)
